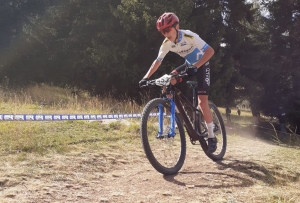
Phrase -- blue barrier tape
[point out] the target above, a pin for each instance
(63, 117)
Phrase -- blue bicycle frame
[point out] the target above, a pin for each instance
(161, 115)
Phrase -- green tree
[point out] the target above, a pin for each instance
(226, 27)
(283, 89)
(107, 46)
(14, 15)
(252, 62)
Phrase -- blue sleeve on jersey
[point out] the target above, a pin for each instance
(206, 46)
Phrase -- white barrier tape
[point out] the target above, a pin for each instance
(63, 117)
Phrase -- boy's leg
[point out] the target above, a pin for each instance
(203, 77)
(203, 102)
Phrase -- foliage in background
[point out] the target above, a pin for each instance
(105, 47)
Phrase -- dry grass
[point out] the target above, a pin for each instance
(48, 99)
(60, 136)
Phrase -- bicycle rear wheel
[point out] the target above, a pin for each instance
(220, 133)
(165, 153)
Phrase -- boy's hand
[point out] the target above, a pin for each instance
(143, 82)
(173, 81)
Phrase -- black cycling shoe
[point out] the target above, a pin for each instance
(212, 145)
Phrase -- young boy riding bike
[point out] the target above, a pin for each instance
(196, 52)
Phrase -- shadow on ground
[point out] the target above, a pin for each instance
(215, 180)
(236, 173)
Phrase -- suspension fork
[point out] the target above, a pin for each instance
(161, 115)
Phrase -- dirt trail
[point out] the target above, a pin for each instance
(250, 172)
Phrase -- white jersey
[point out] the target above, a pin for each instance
(190, 46)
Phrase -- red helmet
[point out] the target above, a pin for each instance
(166, 20)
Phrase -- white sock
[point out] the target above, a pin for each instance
(210, 128)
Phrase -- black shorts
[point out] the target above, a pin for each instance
(202, 75)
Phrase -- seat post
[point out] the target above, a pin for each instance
(193, 85)
(195, 102)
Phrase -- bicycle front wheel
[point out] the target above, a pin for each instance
(220, 133)
(165, 153)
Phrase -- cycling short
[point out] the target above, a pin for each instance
(202, 75)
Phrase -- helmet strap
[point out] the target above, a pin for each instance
(176, 32)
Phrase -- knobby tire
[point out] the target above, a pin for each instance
(145, 137)
(222, 143)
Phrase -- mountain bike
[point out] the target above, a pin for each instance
(164, 121)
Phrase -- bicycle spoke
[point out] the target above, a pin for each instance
(164, 150)
(220, 133)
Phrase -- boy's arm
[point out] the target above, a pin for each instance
(152, 68)
(209, 52)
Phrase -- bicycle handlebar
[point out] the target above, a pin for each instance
(164, 80)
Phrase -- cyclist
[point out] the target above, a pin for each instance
(196, 52)
(228, 112)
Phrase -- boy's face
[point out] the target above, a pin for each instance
(170, 33)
